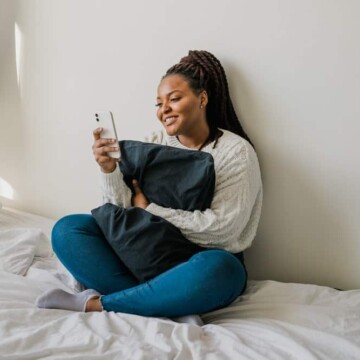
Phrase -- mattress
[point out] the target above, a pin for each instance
(271, 320)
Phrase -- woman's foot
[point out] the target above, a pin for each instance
(60, 299)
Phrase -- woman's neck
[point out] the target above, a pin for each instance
(194, 142)
(196, 139)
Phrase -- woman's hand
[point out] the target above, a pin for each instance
(139, 199)
(100, 149)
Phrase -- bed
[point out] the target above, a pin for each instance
(272, 320)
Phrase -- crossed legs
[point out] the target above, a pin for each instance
(208, 280)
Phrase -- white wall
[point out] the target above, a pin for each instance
(294, 75)
(11, 134)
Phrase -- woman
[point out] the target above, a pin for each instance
(195, 109)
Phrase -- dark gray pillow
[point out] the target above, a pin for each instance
(174, 178)
(147, 244)
(168, 176)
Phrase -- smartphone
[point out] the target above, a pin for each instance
(105, 120)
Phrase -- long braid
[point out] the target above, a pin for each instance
(204, 71)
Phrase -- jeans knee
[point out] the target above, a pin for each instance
(228, 265)
(60, 228)
(228, 272)
(64, 228)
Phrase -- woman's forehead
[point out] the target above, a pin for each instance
(173, 83)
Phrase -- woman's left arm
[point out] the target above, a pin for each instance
(235, 208)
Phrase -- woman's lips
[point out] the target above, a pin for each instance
(170, 120)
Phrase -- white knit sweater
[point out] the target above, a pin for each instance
(233, 218)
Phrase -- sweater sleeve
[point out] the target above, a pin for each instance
(114, 190)
(238, 185)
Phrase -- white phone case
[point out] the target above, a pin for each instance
(105, 120)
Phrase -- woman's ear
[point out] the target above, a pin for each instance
(203, 99)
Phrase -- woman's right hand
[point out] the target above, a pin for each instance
(101, 147)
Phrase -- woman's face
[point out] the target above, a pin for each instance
(179, 107)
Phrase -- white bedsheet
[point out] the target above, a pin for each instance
(271, 320)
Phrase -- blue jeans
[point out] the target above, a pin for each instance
(209, 280)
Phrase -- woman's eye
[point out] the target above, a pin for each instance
(158, 104)
(175, 99)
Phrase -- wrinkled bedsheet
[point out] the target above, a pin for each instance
(272, 320)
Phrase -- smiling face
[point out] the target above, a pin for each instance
(179, 107)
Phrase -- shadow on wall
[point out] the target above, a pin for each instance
(301, 229)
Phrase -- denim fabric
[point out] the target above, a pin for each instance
(209, 280)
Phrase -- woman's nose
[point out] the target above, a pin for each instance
(166, 107)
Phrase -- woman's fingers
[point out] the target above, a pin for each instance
(102, 142)
(97, 133)
(139, 199)
(103, 150)
(136, 187)
(101, 147)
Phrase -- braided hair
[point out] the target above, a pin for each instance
(203, 71)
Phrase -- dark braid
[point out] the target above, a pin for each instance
(203, 71)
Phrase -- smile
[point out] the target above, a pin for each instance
(169, 120)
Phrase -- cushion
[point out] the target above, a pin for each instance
(174, 178)
(147, 244)
(168, 176)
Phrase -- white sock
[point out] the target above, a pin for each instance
(60, 299)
